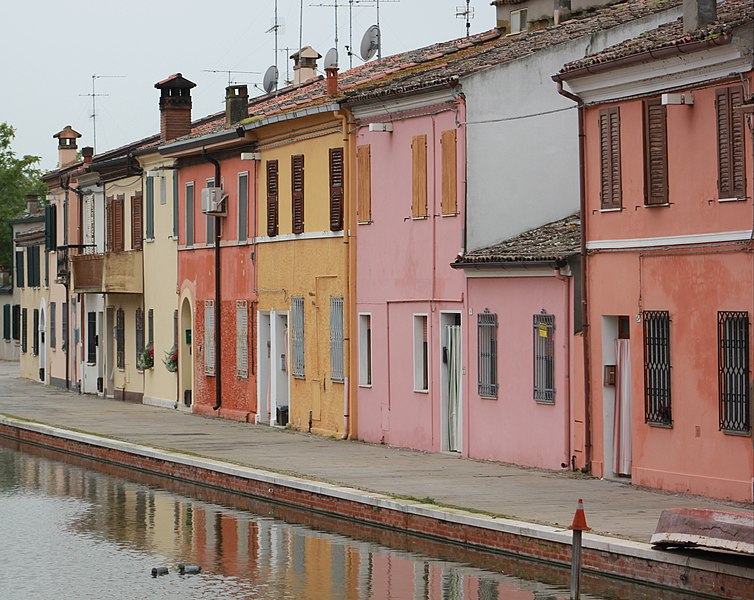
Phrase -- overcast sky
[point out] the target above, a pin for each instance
(49, 50)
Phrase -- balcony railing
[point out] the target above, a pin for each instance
(109, 273)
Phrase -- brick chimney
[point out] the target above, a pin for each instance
(32, 204)
(236, 104)
(67, 146)
(698, 14)
(88, 153)
(305, 64)
(332, 81)
(175, 106)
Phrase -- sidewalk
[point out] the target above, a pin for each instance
(612, 508)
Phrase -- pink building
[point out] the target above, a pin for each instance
(670, 271)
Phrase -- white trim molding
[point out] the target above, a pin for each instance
(671, 240)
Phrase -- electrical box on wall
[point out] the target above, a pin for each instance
(609, 375)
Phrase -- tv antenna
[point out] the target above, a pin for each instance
(229, 72)
(465, 13)
(94, 95)
(275, 29)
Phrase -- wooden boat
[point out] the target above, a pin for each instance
(713, 529)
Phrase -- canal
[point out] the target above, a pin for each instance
(75, 529)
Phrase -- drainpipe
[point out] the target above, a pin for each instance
(567, 287)
(218, 292)
(584, 280)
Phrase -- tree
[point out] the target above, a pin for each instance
(18, 177)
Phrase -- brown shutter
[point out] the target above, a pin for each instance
(449, 172)
(137, 229)
(297, 189)
(364, 163)
(336, 189)
(419, 178)
(109, 223)
(118, 223)
(655, 152)
(730, 144)
(272, 198)
(610, 189)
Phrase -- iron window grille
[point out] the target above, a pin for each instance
(297, 336)
(139, 322)
(657, 407)
(544, 357)
(487, 347)
(53, 324)
(120, 338)
(209, 338)
(91, 338)
(337, 362)
(24, 329)
(733, 371)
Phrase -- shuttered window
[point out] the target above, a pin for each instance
(655, 153)
(64, 327)
(35, 332)
(190, 214)
(6, 322)
(419, 177)
(449, 172)
(272, 198)
(19, 267)
(730, 143)
(364, 183)
(610, 182)
(487, 354)
(51, 227)
(117, 223)
(209, 337)
(91, 338)
(242, 339)
(337, 359)
(24, 331)
(33, 278)
(243, 207)
(120, 339)
(53, 324)
(16, 324)
(149, 212)
(297, 337)
(175, 205)
(137, 221)
(421, 354)
(337, 189)
(297, 193)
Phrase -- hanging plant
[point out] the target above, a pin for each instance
(146, 358)
(171, 360)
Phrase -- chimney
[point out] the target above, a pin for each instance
(332, 81)
(67, 146)
(698, 14)
(32, 203)
(562, 11)
(305, 64)
(87, 152)
(236, 104)
(175, 106)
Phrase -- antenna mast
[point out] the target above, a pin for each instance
(94, 95)
(467, 13)
(229, 72)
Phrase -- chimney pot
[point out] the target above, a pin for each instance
(305, 64)
(175, 106)
(67, 146)
(236, 104)
(32, 202)
(332, 81)
(698, 14)
(87, 152)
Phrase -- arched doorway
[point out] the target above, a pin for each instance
(185, 359)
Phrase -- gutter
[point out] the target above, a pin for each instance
(304, 112)
(512, 265)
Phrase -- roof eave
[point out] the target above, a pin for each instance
(554, 263)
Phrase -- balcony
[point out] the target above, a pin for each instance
(109, 273)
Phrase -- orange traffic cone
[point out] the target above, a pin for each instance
(579, 519)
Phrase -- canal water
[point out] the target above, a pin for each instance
(80, 530)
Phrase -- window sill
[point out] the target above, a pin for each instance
(736, 199)
(660, 425)
(488, 397)
(364, 222)
(611, 210)
(149, 241)
(661, 205)
(545, 402)
(422, 218)
(455, 214)
(421, 391)
(340, 381)
(736, 433)
(365, 385)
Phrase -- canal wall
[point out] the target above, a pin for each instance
(682, 574)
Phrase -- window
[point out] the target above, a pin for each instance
(364, 183)
(19, 267)
(6, 322)
(272, 198)
(449, 172)
(35, 332)
(610, 190)
(64, 326)
(51, 227)
(544, 357)
(190, 214)
(149, 212)
(139, 327)
(211, 221)
(243, 207)
(297, 336)
(337, 187)
(137, 221)
(150, 327)
(657, 367)
(419, 177)
(518, 21)
(487, 349)
(24, 328)
(175, 329)
(242, 339)
(365, 349)
(53, 324)
(337, 359)
(175, 205)
(16, 324)
(209, 337)
(655, 153)
(91, 338)
(297, 193)
(730, 143)
(114, 222)
(120, 339)
(32, 266)
(421, 354)
(733, 375)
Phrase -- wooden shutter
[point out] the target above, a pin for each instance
(209, 337)
(150, 206)
(419, 178)
(336, 189)
(655, 152)
(449, 172)
(297, 190)
(137, 223)
(364, 183)
(272, 198)
(730, 143)
(118, 223)
(109, 214)
(610, 192)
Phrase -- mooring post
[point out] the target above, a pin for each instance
(578, 527)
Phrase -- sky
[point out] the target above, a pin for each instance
(50, 50)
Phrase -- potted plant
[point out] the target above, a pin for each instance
(146, 358)
(171, 360)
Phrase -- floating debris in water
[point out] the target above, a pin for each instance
(159, 571)
(188, 569)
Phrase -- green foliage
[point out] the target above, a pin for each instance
(18, 177)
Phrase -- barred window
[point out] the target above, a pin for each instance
(337, 366)
(24, 330)
(120, 338)
(297, 336)
(657, 408)
(487, 348)
(139, 324)
(209, 337)
(544, 357)
(91, 338)
(733, 374)
(53, 324)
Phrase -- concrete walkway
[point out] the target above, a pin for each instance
(612, 508)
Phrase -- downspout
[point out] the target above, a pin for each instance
(584, 281)
(567, 286)
(218, 292)
(66, 188)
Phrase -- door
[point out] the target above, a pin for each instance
(450, 373)
(110, 351)
(185, 360)
(273, 360)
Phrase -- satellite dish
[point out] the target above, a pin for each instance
(270, 81)
(370, 43)
(331, 59)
